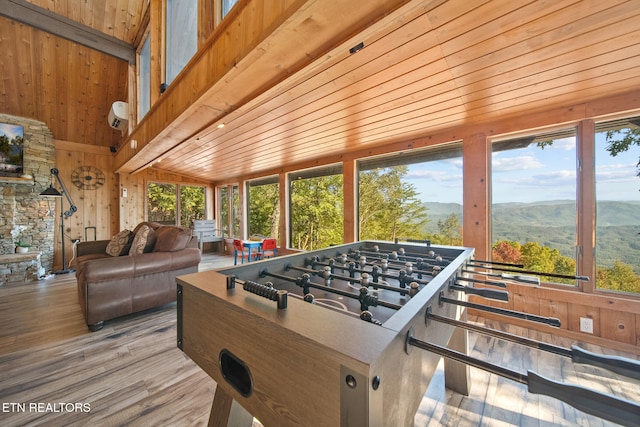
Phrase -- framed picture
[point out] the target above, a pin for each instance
(11, 149)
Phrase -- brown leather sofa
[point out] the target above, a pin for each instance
(111, 286)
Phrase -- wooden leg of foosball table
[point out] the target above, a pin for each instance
(227, 412)
(456, 374)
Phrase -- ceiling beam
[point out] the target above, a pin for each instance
(45, 20)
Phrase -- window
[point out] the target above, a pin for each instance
(162, 203)
(229, 210)
(415, 195)
(317, 208)
(164, 206)
(227, 5)
(236, 213)
(191, 204)
(181, 35)
(263, 207)
(618, 206)
(533, 213)
(223, 209)
(144, 78)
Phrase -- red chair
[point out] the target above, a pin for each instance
(239, 249)
(269, 248)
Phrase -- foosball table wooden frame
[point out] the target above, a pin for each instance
(308, 365)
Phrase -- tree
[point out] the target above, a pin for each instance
(389, 208)
(317, 212)
(620, 277)
(617, 145)
(161, 203)
(191, 204)
(535, 257)
(507, 251)
(264, 210)
(449, 231)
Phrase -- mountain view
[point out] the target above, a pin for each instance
(552, 223)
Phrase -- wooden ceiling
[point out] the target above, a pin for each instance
(426, 66)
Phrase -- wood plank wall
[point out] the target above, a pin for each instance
(103, 208)
(616, 318)
(95, 206)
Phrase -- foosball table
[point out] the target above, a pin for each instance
(329, 337)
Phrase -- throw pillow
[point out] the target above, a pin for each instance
(140, 240)
(118, 243)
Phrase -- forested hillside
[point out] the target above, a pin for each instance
(553, 224)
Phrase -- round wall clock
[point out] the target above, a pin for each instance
(87, 177)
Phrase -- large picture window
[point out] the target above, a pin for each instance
(229, 211)
(413, 195)
(264, 208)
(533, 211)
(317, 208)
(144, 78)
(181, 35)
(617, 149)
(164, 205)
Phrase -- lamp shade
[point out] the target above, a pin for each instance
(51, 191)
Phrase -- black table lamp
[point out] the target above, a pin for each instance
(52, 191)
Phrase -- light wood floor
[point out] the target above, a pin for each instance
(132, 373)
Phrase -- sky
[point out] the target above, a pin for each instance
(11, 130)
(532, 174)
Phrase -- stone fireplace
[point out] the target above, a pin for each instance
(20, 200)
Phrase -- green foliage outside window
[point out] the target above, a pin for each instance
(162, 203)
(317, 212)
(389, 208)
(191, 204)
(264, 210)
(533, 256)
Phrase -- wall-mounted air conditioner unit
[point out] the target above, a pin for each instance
(119, 115)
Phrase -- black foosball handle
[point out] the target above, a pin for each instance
(495, 294)
(620, 365)
(280, 296)
(592, 402)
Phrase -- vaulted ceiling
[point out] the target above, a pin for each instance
(63, 83)
(425, 66)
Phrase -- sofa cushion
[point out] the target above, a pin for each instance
(172, 238)
(120, 243)
(143, 240)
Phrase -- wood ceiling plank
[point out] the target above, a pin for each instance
(449, 11)
(550, 91)
(331, 107)
(392, 54)
(359, 68)
(313, 133)
(327, 140)
(569, 74)
(537, 36)
(420, 125)
(552, 59)
(491, 20)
